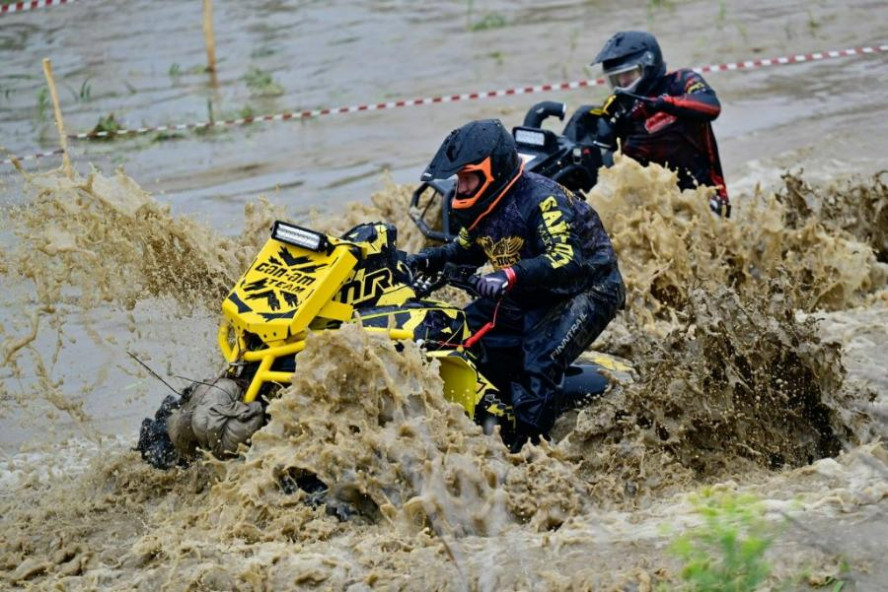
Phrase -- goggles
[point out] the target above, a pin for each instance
(625, 78)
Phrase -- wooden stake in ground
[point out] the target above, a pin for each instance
(60, 125)
(209, 38)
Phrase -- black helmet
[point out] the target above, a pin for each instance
(484, 147)
(631, 50)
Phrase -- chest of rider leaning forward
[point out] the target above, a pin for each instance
(504, 236)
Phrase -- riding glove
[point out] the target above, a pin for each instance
(495, 285)
(430, 260)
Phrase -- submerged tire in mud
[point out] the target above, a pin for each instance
(208, 416)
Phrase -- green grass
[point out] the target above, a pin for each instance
(261, 83)
(82, 95)
(727, 552)
(107, 124)
(42, 104)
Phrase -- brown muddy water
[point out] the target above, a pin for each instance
(758, 345)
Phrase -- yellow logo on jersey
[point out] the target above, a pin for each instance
(504, 252)
(559, 252)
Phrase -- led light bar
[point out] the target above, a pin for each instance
(523, 136)
(299, 237)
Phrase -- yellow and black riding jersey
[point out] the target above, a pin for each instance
(553, 240)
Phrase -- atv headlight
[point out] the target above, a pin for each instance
(299, 237)
(531, 138)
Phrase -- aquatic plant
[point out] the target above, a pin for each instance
(261, 83)
(42, 104)
(727, 552)
(108, 125)
(490, 20)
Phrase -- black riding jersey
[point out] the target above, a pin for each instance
(680, 135)
(553, 241)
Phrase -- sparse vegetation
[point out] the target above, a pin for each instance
(727, 552)
(261, 52)
(491, 20)
(813, 24)
(84, 94)
(42, 104)
(175, 71)
(261, 83)
(722, 16)
(167, 136)
(108, 125)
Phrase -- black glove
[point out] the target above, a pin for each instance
(494, 285)
(648, 105)
(661, 103)
(427, 261)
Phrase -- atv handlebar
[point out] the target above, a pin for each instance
(458, 276)
(539, 112)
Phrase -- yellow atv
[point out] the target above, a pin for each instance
(303, 281)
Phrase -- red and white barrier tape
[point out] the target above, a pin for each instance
(32, 156)
(339, 110)
(33, 5)
(796, 59)
(808, 57)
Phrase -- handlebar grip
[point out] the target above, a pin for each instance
(539, 112)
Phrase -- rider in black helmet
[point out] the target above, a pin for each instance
(555, 283)
(661, 117)
(483, 156)
(632, 61)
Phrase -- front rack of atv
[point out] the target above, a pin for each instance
(235, 351)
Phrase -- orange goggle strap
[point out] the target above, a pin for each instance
(498, 197)
(484, 168)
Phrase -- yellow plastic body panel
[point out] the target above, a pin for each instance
(289, 290)
(463, 384)
(285, 289)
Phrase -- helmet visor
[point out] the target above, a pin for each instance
(625, 77)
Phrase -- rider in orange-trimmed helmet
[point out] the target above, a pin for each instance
(555, 283)
(483, 156)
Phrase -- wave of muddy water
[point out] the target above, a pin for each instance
(758, 345)
(736, 385)
(143, 63)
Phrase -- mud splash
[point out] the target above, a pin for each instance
(669, 245)
(859, 210)
(732, 380)
(108, 240)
